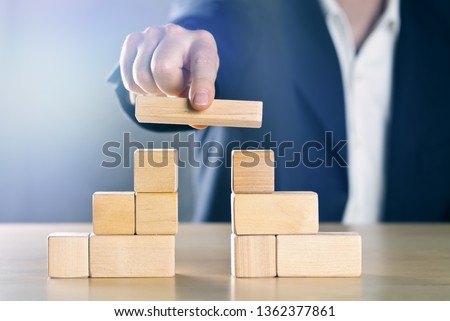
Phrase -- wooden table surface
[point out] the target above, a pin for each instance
(400, 262)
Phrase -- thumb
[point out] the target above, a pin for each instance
(203, 67)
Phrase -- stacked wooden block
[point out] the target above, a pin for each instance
(277, 233)
(134, 232)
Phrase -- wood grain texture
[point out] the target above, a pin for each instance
(253, 171)
(156, 213)
(228, 113)
(132, 256)
(68, 255)
(400, 262)
(321, 255)
(253, 256)
(113, 213)
(277, 213)
(156, 170)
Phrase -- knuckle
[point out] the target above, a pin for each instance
(203, 60)
(162, 67)
(172, 28)
(133, 38)
(205, 35)
(151, 32)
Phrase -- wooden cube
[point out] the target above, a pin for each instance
(132, 255)
(155, 170)
(253, 171)
(277, 213)
(113, 213)
(156, 213)
(253, 256)
(321, 255)
(68, 255)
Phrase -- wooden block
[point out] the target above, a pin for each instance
(321, 255)
(155, 170)
(253, 256)
(68, 255)
(156, 213)
(113, 212)
(253, 171)
(132, 255)
(229, 113)
(277, 213)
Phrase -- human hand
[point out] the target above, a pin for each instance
(171, 61)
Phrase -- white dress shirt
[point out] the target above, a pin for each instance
(367, 78)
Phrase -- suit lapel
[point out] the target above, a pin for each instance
(418, 116)
(318, 75)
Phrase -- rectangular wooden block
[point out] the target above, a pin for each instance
(253, 171)
(229, 113)
(277, 213)
(113, 212)
(321, 255)
(253, 256)
(132, 255)
(156, 170)
(68, 255)
(156, 213)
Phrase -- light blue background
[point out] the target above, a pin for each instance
(57, 109)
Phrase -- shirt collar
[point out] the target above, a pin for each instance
(330, 7)
(390, 17)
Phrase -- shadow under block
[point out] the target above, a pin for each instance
(132, 255)
(155, 170)
(277, 213)
(320, 255)
(253, 256)
(68, 255)
(229, 113)
(253, 171)
(156, 213)
(113, 213)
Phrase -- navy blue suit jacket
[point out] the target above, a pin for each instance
(280, 52)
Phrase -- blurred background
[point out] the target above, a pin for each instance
(57, 110)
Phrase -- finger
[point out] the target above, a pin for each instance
(204, 63)
(142, 74)
(169, 59)
(199, 126)
(127, 56)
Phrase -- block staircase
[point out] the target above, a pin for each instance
(276, 234)
(133, 232)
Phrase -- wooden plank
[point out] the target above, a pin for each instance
(321, 255)
(68, 255)
(156, 213)
(132, 255)
(253, 171)
(277, 213)
(253, 256)
(156, 170)
(228, 113)
(113, 213)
